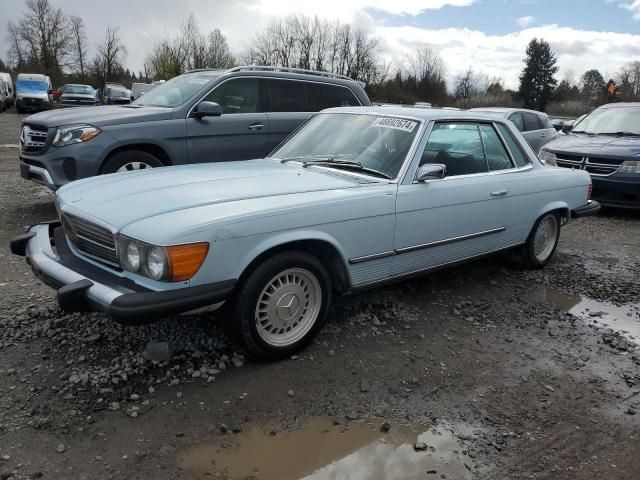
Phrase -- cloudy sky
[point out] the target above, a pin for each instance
(489, 35)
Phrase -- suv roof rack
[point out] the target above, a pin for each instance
(266, 68)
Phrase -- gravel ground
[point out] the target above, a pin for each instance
(529, 386)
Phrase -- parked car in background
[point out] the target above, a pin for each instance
(117, 96)
(33, 93)
(4, 95)
(75, 95)
(139, 89)
(534, 126)
(606, 144)
(201, 116)
(11, 100)
(107, 89)
(56, 94)
(356, 198)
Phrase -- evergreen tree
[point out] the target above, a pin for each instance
(593, 86)
(536, 81)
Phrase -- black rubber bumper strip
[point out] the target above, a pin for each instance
(138, 308)
(71, 298)
(591, 208)
(18, 244)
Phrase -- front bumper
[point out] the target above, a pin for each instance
(82, 286)
(620, 191)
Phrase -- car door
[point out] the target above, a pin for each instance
(291, 103)
(240, 133)
(548, 131)
(441, 221)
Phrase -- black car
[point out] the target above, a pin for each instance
(117, 96)
(78, 96)
(605, 143)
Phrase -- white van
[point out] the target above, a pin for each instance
(139, 89)
(34, 92)
(4, 95)
(12, 94)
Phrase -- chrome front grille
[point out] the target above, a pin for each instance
(33, 138)
(593, 165)
(91, 239)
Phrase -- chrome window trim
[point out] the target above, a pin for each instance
(421, 246)
(506, 147)
(263, 77)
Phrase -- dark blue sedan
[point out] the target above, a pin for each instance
(606, 143)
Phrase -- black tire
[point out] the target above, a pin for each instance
(527, 251)
(117, 161)
(240, 315)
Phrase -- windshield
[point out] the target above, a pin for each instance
(176, 91)
(78, 89)
(377, 142)
(30, 86)
(611, 120)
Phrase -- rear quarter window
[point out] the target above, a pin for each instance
(518, 155)
(287, 96)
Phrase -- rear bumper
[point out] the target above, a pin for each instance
(81, 286)
(590, 208)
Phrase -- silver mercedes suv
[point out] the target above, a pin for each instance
(200, 116)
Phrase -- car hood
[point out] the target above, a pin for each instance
(100, 116)
(124, 198)
(600, 145)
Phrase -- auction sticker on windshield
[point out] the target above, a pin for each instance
(395, 123)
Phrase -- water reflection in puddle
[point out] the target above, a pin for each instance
(624, 319)
(321, 450)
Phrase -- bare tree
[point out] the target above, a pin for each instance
(16, 51)
(42, 35)
(218, 53)
(78, 45)
(110, 53)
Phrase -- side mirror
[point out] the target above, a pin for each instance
(431, 171)
(131, 98)
(49, 92)
(207, 109)
(566, 127)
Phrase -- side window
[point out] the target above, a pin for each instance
(516, 118)
(238, 95)
(287, 96)
(457, 146)
(497, 156)
(315, 97)
(531, 121)
(516, 152)
(340, 97)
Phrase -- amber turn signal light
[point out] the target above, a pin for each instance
(186, 260)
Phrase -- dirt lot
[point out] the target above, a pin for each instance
(482, 371)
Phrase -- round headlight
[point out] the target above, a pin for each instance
(133, 257)
(156, 263)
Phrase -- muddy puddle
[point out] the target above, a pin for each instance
(624, 319)
(320, 450)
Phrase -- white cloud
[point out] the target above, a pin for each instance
(346, 9)
(149, 21)
(633, 7)
(502, 55)
(524, 22)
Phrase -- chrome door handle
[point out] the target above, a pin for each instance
(499, 193)
(256, 126)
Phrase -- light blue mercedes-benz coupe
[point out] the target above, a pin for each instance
(355, 198)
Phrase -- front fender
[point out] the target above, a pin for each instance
(283, 238)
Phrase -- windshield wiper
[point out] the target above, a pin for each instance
(347, 164)
(582, 131)
(622, 134)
